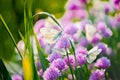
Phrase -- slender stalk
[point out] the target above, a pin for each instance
(73, 49)
(61, 75)
(70, 65)
(51, 16)
(10, 34)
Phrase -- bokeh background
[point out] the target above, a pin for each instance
(12, 11)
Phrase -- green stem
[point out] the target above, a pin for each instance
(70, 67)
(73, 49)
(10, 34)
(51, 16)
(61, 75)
(106, 75)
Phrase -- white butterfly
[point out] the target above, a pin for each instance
(92, 54)
(50, 35)
(90, 30)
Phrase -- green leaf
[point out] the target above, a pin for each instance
(4, 75)
(44, 62)
(10, 34)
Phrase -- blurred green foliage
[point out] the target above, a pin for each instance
(12, 11)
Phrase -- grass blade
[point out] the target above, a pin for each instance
(4, 75)
(10, 34)
(43, 61)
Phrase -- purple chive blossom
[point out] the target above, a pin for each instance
(101, 26)
(42, 42)
(63, 43)
(83, 1)
(21, 46)
(38, 65)
(97, 75)
(103, 63)
(102, 46)
(96, 38)
(59, 63)
(118, 18)
(107, 9)
(113, 22)
(75, 38)
(71, 29)
(38, 25)
(80, 14)
(17, 77)
(54, 56)
(70, 77)
(107, 33)
(67, 17)
(40, 72)
(117, 4)
(109, 51)
(51, 73)
(72, 5)
(72, 61)
(91, 66)
(80, 50)
(81, 59)
(83, 42)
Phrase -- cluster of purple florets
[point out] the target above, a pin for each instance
(74, 21)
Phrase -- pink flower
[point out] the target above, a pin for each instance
(103, 63)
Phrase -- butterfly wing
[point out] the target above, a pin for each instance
(91, 58)
(90, 30)
(49, 34)
(92, 54)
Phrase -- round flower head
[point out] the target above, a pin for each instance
(63, 43)
(54, 56)
(67, 17)
(101, 26)
(103, 63)
(113, 22)
(72, 5)
(102, 46)
(70, 77)
(80, 50)
(38, 25)
(81, 59)
(40, 72)
(83, 42)
(97, 75)
(38, 65)
(42, 42)
(107, 33)
(117, 4)
(96, 38)
(21, 46)
(17, 77)
(72, 61)
(83, 1)
(51, 73)
(109, 51)
(118, 18)
(80, 14)
(107, 9)
(59, 63)
(71, 29)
